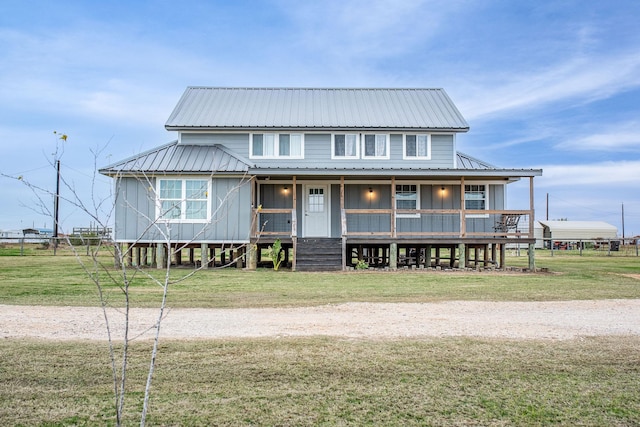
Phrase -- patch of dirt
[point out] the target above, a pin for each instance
(513, 320)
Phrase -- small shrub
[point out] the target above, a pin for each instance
(362, 265)
(276, 254)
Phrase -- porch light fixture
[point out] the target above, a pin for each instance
(286, 189)
(370, 190)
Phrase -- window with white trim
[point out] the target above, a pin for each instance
(475, 197)
(345, 146)
(277, 145)
(375, 146)
(417, 146)
(184, 199)
(407, 197)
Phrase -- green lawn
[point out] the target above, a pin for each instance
(324, 381)
(59, 280)
(328, 381)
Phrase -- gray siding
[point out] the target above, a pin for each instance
(236, 142)
(230, 207)
(442, 151)
(317, 151)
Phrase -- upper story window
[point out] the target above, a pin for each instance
(277, 145)
(417, 146)
(407, 197)
(376, 146)
(345, 146)
(184, 199)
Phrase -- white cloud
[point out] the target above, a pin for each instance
(579, 79)
(618, 137)
(613, 175)
(362, 29)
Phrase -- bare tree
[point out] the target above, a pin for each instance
(100, 210)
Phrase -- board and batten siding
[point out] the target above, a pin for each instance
(230, 213)
(317, 149)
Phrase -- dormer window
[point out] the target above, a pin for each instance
(277, 145)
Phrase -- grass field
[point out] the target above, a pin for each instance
(329, 381)
(59, 280)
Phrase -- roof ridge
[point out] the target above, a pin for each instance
(312, 88)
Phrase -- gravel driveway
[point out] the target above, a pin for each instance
(518, 320)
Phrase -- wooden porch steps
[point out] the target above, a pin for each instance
(319, 254)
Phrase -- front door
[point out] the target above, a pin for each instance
(316, 211)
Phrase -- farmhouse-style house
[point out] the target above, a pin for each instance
(341, 177)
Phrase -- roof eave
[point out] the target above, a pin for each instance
(484, 173)
(182, 128)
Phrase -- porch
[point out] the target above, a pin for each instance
(379, 233)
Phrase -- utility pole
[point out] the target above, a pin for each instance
(547, 206)
(623, 223)
(56, 206)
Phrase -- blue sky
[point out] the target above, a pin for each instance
(543, 84)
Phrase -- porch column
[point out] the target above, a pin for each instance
(532, 247)
(294, 224)
(343, 225)
(463, 216)
(254, 208)
(393, 207)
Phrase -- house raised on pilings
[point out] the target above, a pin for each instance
(341, 177)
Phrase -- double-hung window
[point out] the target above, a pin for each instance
(407, 197)
(376, 146)
(345, 146)
(277, 145)
(417, 146)
(475, 197)
(184, 199)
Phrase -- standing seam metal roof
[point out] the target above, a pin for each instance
(177, 158)
(211, 107)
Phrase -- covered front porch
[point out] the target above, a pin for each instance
(392, 222)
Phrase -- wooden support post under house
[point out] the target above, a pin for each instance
(393, 256)
(130, 255)
(463, 255)
(204, 256)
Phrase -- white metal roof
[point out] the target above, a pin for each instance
(577, 230)
(329, 108)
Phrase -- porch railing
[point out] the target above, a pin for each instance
(404, 223)
(274, 223)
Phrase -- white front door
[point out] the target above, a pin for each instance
(316, 211)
